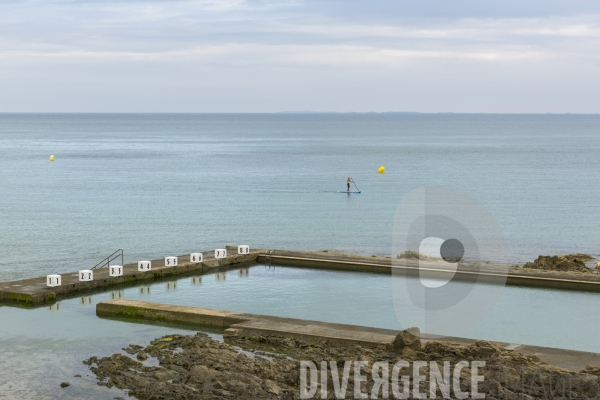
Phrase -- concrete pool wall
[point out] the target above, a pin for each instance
(35, 291)
(253, 325)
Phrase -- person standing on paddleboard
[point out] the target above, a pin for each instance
(348, 183)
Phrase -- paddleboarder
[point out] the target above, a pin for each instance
(348, 183)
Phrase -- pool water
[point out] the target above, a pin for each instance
(44, 346)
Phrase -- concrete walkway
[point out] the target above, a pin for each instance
(244, 324)
(35, 291)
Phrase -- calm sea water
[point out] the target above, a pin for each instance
(159, 185)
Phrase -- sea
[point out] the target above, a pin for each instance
(168, 184)
(158, 185)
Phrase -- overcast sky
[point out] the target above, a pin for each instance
(268, 56)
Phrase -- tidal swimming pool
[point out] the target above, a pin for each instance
(44, 346)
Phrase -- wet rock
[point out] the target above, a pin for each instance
(592, 369)
(198, 367)
(566, 263)
(65, 384)
(129, 350)
(411, 255)
(409, 338)
(201, 373)
(271, 387)
(141, 356)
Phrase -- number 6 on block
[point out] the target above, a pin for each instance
(196, 258)
(86, 275)
(171, 261)
(116, 270)
(53, 280)
(144, 266)
(220, 253)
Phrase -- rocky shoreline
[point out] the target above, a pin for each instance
(268, 367)
(563, 263)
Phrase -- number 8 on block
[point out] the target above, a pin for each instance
(244, 249)
(170, 261)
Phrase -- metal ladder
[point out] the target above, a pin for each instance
(269, 259)
(107, 260)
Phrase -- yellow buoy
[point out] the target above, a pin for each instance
(51, 158)
(598, 264)
(381, 169)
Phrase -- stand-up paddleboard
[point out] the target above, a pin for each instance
(357, 191)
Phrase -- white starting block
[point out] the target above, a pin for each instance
(144, 266)
(86, 275)
(220, 253)
(170, 261)
(196, 258)
(53, 280)
(116, 270)
(243, 249)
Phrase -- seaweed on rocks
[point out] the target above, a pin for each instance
(565, 263)
(268, 367)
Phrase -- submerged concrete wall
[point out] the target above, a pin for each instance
(254, 325)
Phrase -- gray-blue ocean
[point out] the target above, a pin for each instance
(168, 184)
(159, 185)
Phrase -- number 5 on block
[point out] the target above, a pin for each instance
(171, 261)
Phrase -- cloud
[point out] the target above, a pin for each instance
(351, 39)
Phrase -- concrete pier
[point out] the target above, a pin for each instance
(35, 291)
(515, 277)
(251, 325)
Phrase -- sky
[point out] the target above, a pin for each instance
(476, 56)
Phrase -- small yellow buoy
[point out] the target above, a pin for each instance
(51, 158)
(381, 169)
(598, 264)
